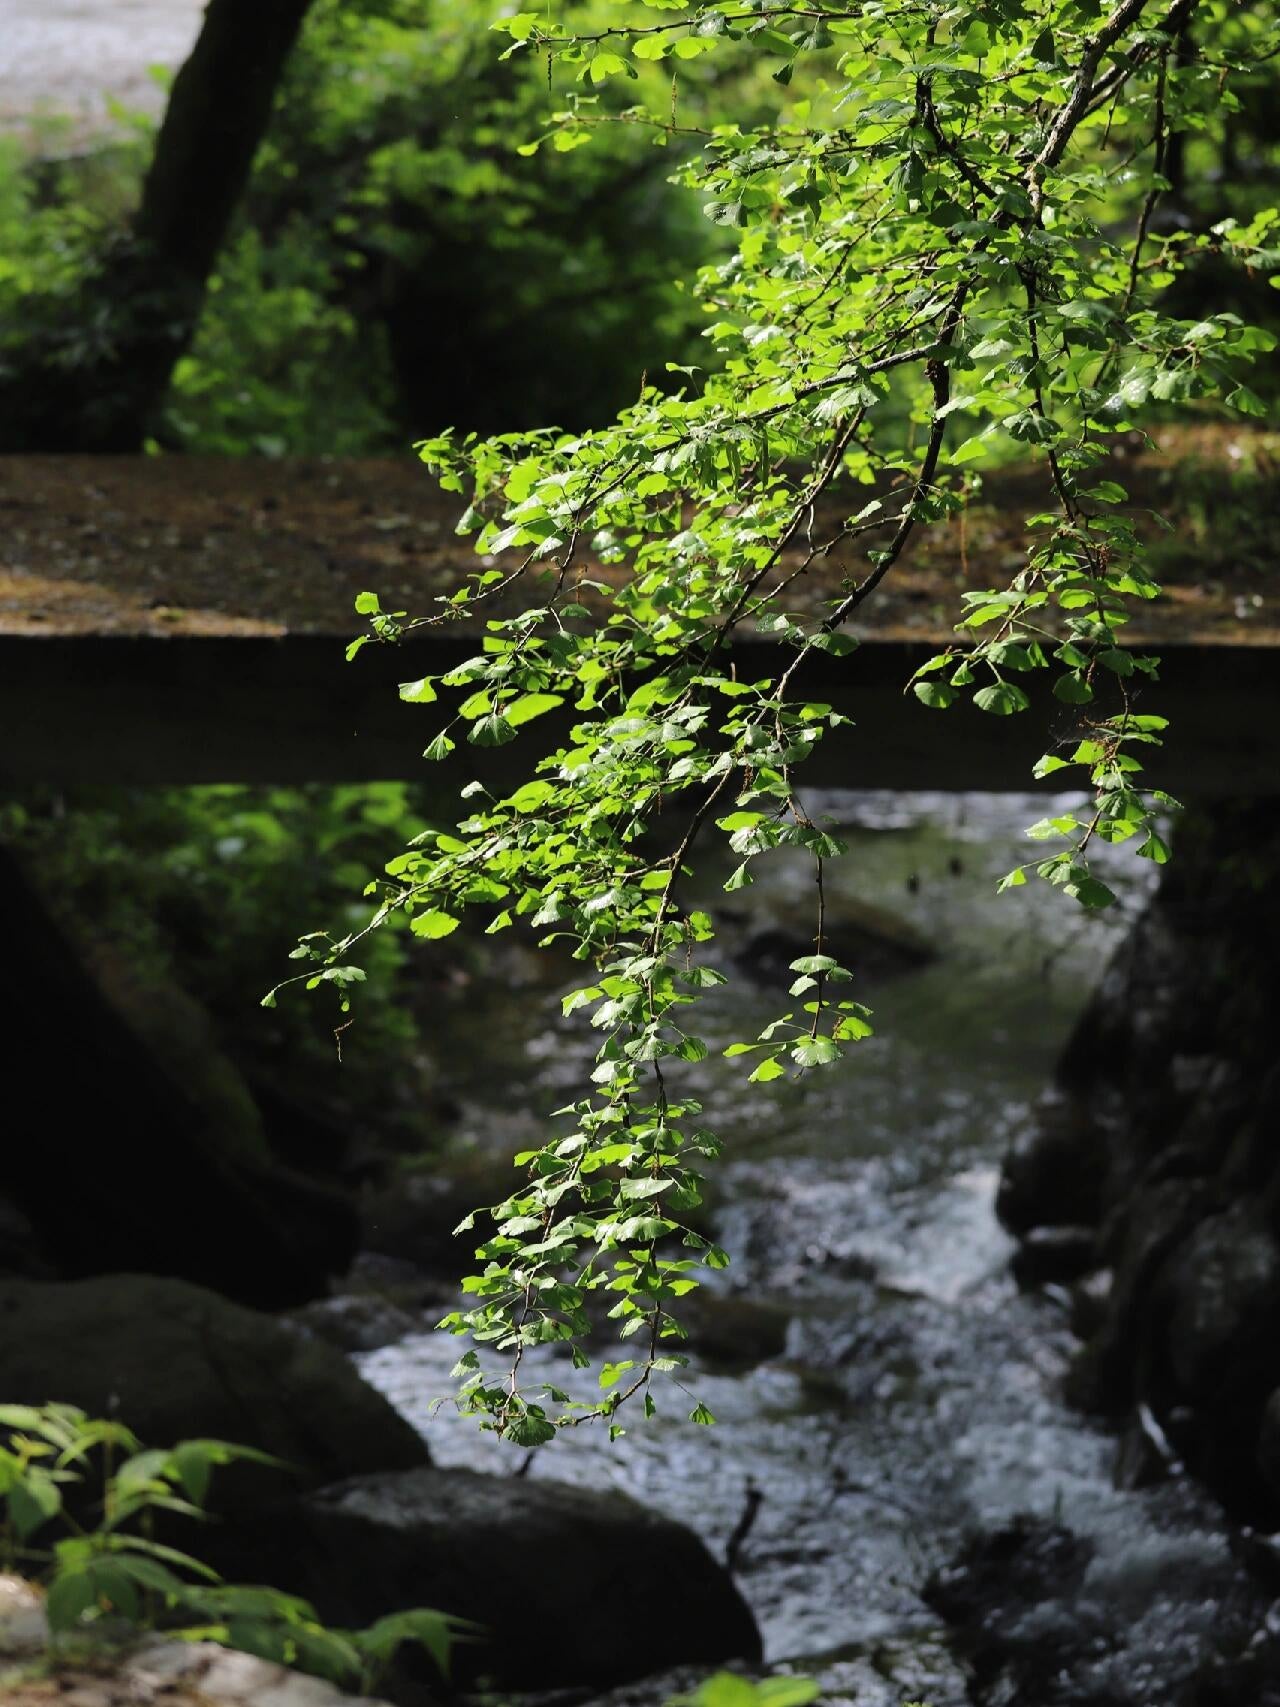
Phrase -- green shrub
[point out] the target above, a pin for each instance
(107, 1579)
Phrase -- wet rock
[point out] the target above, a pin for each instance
(357, 1322)
(1260, 1556)
(379, 1301)
(376, 1275)
(176, 1362)
(731, 1331)
(190, 1187)
(1123, 1358)
(1009, 1598)
(1224, 1291)
(1090, 1297)
(1268, 1450)
(1171, 1079)
(887, 1673)
(1252, 1677)
(1145, 1455)
(872, 942)
(573, 1586)
(24, 1629)
(1050, 1255)
(1054, 1170)
(414, 1216)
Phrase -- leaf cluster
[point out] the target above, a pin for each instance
(947, 248)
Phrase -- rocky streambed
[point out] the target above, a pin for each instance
(913, 1509)
(897, 1493)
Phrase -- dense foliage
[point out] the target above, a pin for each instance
(396, 263)
(950, 248)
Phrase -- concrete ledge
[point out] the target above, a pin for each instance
(99, 709)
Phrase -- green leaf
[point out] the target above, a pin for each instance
(769, 1068)
(519, 27)
(1047, 765)
(1072, 689)
(1121, 663)
(529, 706)
(69, 1597)
(1091, 893)
(33, 1499)
(816, 1051)
(433, 925)
(418, 693)
(531, 795)
(1001, 698)
(606, 65)
(787, 1692)
(1247, 402)
(194, 1467)
(492, 731)
(935, 694)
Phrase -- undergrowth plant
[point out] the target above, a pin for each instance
(948, 251)
(79, 1497)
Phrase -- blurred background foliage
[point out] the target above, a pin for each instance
(398, 266)
(205, 890)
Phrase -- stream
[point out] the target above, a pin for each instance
(917, 1398)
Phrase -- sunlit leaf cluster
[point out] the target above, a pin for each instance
(948, 253)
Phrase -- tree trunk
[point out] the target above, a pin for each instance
(139, 308)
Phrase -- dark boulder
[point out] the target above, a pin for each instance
(1054, 1255)
(732, 1331)
(573, 1587)
(1268, 1448)
(1161, 1136)
(20, 1250)
(1223, 1289)
(359, 1321)
(1124, 1355)
(872, 942)
(176, 1362)
(1054, 1170)
(412, 1218)
(1012, 1599)
(151, 1154)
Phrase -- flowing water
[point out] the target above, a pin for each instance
(918, 1393)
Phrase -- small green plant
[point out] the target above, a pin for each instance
(107, 1578)
(727, 1690)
